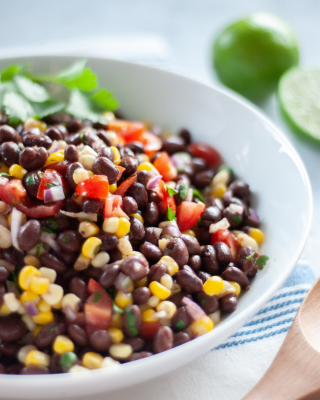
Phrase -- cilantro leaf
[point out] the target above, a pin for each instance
(236, 219)
(172, 191)
(48, 230)
(53, 224)
(17, 107)
(78, 76)
(261, 261)
(198, 195)
(82, 107)
(6, 175)
(8, 73)
(183, 191)
(224, 167)
(170, 214)
(46, 108)
(51, 184)
(251, 255)
(31, 90)
(105, 100)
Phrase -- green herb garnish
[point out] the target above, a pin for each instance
(203, 299)
(52, 184)
(82, 138)
(260, 262)
(38, 248)
(183, 191)
(97, 296)
(251, 255)
(112, 293)
(180, 324)
(66, 239)
(172, 192)
(52, 329)
(53, 224)
(30, 180)
(170, 214)
(48, 230)
(197, 194)
(6, 175)
(236, 219)
(225, 168)
(131, 319)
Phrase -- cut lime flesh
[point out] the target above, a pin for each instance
(299, 96)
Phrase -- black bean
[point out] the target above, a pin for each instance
(223, 253)
(13, 255)
(129, 205)
(73, 139)
(192, 244)
(178, 251)
(79, 288)
(210, 304)
(9, 349)
(29, 234)
(69, 175)
(203, 276)
(3, 369)
(94, 273)
(53, 133)
(4, 275)
(132, 320)
(181, 319)
(143, 177)
(58, 222)
(91, 205)
(203, 236)
(151, 214)
(10, 152)
(100, 340)
(136, 147)
(31, 140)
(213, 201)
(136, 229)
(253, 218)
(209, 260)
(163, 339)
(139, 356)
(33, 158)
(156, 272)
(32, 131)
(46, 336)
(126, 151)
(115, 255)
(103, 166)
(234, 217)
(34, 370)
(74, 125)
(188, 281)
(109, 275)
(71, 206)
(247, 265)
(109, 241)
(211, 215)
(240, 189)
(154, 197)
(199, 164)
(203, 179)
(135, 342)
(150, 251)
(70, 241)
(139, 193)
(152, 235)
(130, 164)
(107, 153)
(12, 328)
(135, 267)
(61, 128)
(31, 182)
(186, 135)
(8, 134)
(235, 274)
(52, 262)
(178, 297)
(141, 295)
(180, 338)
(173, 144)
(228, 303)
(195, 262)
(71, 153)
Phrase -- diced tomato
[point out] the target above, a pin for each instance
(225, 236)
(188, 214)
(129, 130)
(60, 167)
(96, 186)
(165, 167)
(208, 153)
(94, 286)
(149, 329)
(125, 185)
(111, 203)
(36, 209)
(162, 190)
(151, 143)
(97, 310)
(12, 192)
(121, 170)
(49, 179)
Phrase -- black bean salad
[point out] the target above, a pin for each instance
(117, 241)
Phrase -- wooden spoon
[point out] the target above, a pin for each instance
(295, 372)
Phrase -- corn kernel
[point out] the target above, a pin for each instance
(213, 285)
(88, 229)
(166, 281)
(256, 234)
(32, 260)
(153, 301)
(162, 243)
(57, 306)
(29, 296)
(137, 215)
(82, 263)
(87, 161)
(11, 302)
(116, 321)
(124, 246)
(201, 327)
(62, 344)
(54, 158)
(147, 166)
(43, 318)
(17, 171)
(22, 353)
(218, 190)
(72, 301)
(110, 225)
(26, 275)
(36, 330)
(237, 287)
(123, 300)
(120, 351)
(113, 188)
(80, 175)
(77, 368)
(92, 360)
(39, 285)
(35, 357)
(27, 319)
(117, 157)
(170, 263)
(34, 123)
(3, 168)
(48, 273)
(147, 316)
(4, 310)
(141, 282)
(91, 247)
(109, 362)
(189, 232)
(144, 307)
(100, 259)
(176, 288)
(215, 317)
(116, 335)
(53, 295)
(222, 177)
(87, 150)
(123, 227)
(246, 240)
(169, 307)
(228, 288)
(159, 290)
(43, 306)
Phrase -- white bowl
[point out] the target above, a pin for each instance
(257, 152)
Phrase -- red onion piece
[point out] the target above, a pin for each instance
(31, 308)
(171, 230)
(54, 194)
(69, 313)
(3, 181)
(152, 182)
(189, 195)
(16, 222)
(47, 238)
(193, 309)
(81, 215)
(118, 212)
(157, 231)
(54, 147)
(181, 159)
(123, 282)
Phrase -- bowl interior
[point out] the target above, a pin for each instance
(251, 146)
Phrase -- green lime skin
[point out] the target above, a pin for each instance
(250, 55)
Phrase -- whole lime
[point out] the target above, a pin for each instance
(250, 55)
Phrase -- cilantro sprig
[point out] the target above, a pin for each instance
(23, 96)
(260, 262)
(172, 192)
(171, 215)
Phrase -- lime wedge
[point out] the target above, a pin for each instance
(299, 95)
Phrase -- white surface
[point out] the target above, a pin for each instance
(250, 145)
